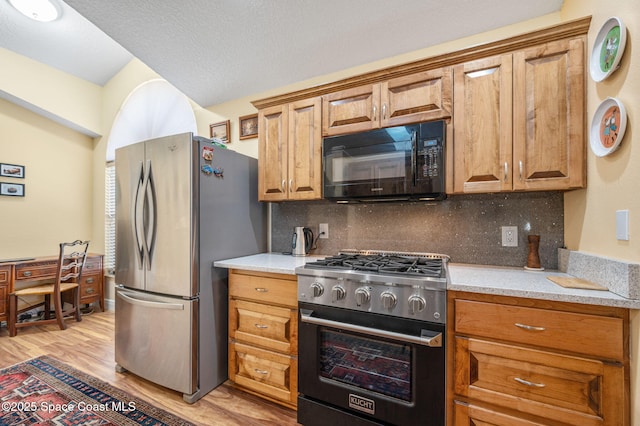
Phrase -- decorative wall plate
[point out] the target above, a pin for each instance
(608, 48)
(607, 127)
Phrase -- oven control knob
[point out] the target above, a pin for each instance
(337, 293)
(388, 300)
(416, 304)
(317, 289)
(363, 296)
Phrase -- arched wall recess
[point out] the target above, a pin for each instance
(153, 109)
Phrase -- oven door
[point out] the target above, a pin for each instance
(364, 366)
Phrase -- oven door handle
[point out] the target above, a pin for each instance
(427, 338)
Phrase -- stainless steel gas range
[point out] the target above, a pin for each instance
(371, 339)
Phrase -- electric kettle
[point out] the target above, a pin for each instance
(302, 241)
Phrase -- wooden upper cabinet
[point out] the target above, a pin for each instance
(417, 97)
(289, 151)
(409, 99)
(272, 153)
(483, 144)
(305, 152)
(351, 110)
(519, 120)
(549, 116)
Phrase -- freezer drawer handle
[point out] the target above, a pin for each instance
(148, 304)
(434, 341)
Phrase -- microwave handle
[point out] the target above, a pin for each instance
(414, 148)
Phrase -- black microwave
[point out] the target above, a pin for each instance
(392, 164)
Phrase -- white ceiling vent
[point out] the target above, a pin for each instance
(152, 110)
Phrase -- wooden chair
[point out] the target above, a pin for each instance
(69, 272)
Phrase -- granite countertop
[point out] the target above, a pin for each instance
(267, 262)
(505, 281)
(518, 282)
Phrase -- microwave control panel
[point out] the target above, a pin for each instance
(429, 158)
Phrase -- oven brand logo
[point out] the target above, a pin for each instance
(362, 404)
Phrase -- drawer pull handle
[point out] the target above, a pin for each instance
(263, 372)
(529, 327)
(528, 383)
(27, 273)
(261, 326)
(89, 280)
(90, 291)
(262, 290)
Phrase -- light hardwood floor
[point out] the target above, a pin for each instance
(89, 346)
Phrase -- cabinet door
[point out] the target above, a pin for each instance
(414, 98)
(351, 110)
(482, 125)
(305, 150)
(272, 153)
(549, 126)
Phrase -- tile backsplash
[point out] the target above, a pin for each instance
(465, 227)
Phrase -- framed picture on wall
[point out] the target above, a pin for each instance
(248, 126)
(220, 131)
(11, 170)
(12, 189)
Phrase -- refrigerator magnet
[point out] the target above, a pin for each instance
(207, 169)
(207, 153)
(218, 172)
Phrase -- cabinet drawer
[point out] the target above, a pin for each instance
(263, 371)
(5, 271)
(264, 288)
(473, 415)
(581, 333)
(92, 266)
(36, 270)
(90, 286)
(558, 387)
(271, 327)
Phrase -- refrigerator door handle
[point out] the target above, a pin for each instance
(137, 222)
(150, 214)
(148, 304)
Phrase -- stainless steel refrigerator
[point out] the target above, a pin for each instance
(181, 204)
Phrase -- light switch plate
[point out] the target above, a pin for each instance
(622, 225)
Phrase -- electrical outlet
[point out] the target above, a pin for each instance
(509, 236)
(323, 230)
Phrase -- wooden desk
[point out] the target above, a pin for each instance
(22, 272)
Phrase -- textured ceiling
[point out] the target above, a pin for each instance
(217, 50)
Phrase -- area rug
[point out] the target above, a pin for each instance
(45, 391)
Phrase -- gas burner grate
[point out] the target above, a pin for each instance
(420, 264)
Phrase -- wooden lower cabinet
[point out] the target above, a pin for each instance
(5, 276)
(263, 335)
(530, 362)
